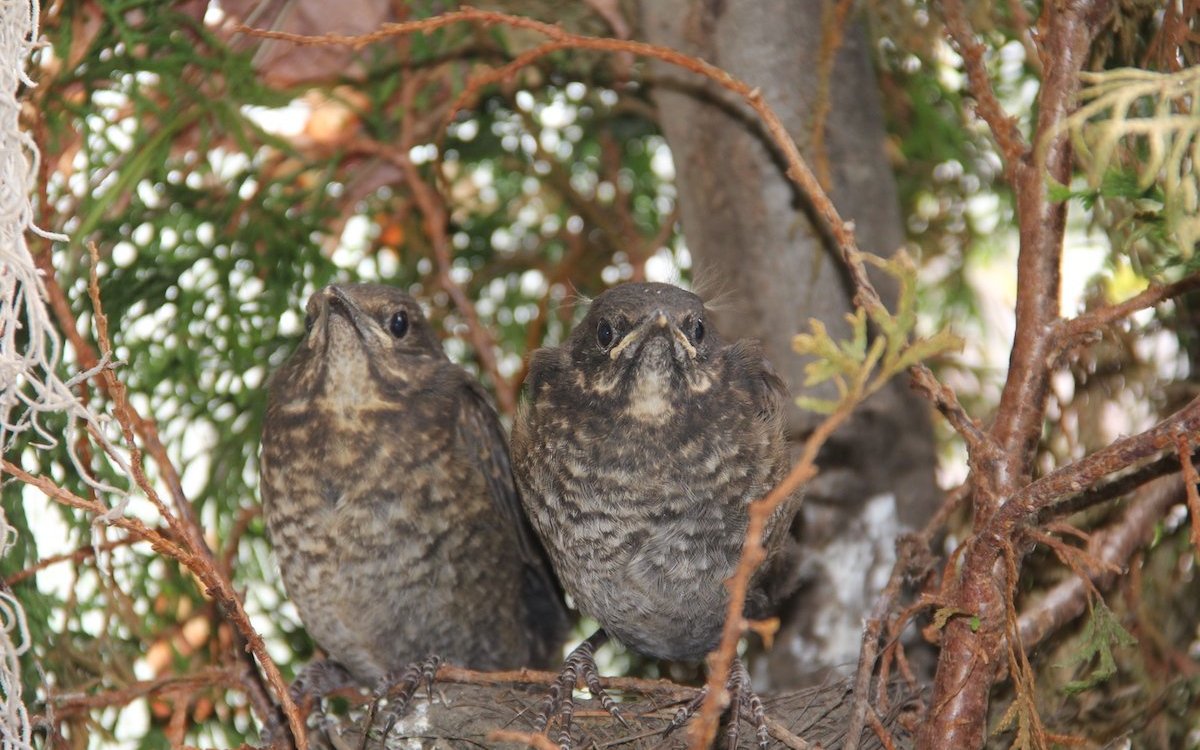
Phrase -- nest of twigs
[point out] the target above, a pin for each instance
(500, 713)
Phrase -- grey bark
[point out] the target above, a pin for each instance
(757, 253)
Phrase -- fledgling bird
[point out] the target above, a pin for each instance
(637, 449)
(389, 499)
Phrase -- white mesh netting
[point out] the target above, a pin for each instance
(30, 347)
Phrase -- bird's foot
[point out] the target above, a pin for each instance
(314, 682)
(402, 685)
(560, 702)
(744, 704)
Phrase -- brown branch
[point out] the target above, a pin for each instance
(1124, 484)
(158, 541)
(1074, 478)
(983, 453)
(1070, 331)
(840, 231)
(1191, 483)
(1023, 29)
(785, 736)
(1079, 561)
(1004, 128)
(1018, 660)
(970, 648)
(1042, 224)
(1113, 546)
(561, 39)
(216, 586)
(71, 704)
(720, 661)
(120, 398)
(911, 549)
(881, 732)
(861, 713)
(436, 219)
(78, 556)
(666, 688)
(485, 78)
(185, 518)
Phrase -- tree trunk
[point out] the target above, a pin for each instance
(758, 255)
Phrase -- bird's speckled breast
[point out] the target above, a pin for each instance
(646, 517)
(379, 529)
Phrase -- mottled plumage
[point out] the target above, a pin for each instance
(640, 443)
(637, 452)
(388, 496)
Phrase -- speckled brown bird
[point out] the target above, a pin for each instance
(389, 499)
(637, 448)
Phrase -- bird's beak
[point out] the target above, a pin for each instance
(656, 322)
(336, 301)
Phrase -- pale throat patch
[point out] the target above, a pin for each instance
(348, 382)
(650, 397)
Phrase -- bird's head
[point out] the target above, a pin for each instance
(646, 343)
(360, 338)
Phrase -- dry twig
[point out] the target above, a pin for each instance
(1004, 127)
(1114, 546)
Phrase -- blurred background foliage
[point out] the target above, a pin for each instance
(224, 179)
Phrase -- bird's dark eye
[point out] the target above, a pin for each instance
(604, 333)
(308, 322)
(698, 331)
(398, 324)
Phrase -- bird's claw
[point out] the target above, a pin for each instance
(401, 686)
(560, 700)
(744, 703)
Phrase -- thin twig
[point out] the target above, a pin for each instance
(1114, 546)
(1070, 331)
(146, 429)
(1004, 127)
(433, 210)
(1191, 483)
(720, 661)
(881, 732)
(861, 711)
(785, 735)
(159, 541)
(960, 692)
(86, 355)
(911, 548)
(76, 557)
(214, 584)
(186, 545)
(67, 704)
(538, 741)
(664, 688)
